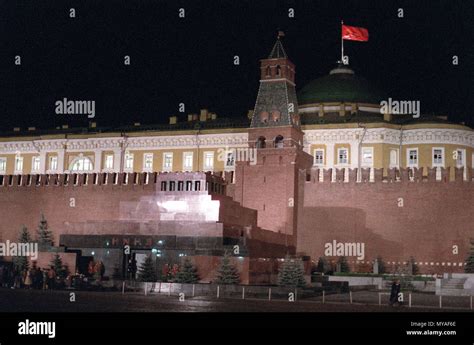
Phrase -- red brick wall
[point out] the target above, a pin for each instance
(434, 217)
(23, 205)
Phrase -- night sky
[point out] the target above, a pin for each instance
(190, 60)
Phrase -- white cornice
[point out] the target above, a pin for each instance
(152, 142)
(391, 136)
(312, 136)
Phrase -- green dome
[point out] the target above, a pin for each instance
(341, 85)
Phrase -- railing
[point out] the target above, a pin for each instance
(293, 294)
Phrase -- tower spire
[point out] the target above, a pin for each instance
(276, 103)
(278, 51)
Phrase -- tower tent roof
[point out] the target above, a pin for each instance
(277, 51)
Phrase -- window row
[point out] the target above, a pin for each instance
(83, 163)
(412, 157)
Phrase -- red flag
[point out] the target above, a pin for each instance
(354, 33)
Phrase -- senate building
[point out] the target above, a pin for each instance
(302, 169)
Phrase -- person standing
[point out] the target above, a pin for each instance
(394, 292)
(51, 278)
(28, 281)
(44, 281)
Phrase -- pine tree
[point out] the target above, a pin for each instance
(21, 262)
(469, 266)
(291, 273)
(187, 273)
(147, 271)
(45, 236)
(343, 265)
(227, 273)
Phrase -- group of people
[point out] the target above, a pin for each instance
(31, 278)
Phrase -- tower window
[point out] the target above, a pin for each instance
(276, 116)
(268, 72)
(279, 141)
(261, 143)
(278, 71)
(264, 117)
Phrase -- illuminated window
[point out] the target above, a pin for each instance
(148, 161)
(109, 161)
(459, 156)
(81, 164)
(394, 158)
(208, 160)
(412, 157)
(129, 161)
(187, 161)
(3, 164)
(35, 164)
(319, 157)
(53, 163)
(230, 161)
(279, 141)
(342, 156)
(167, 161)
(18, 164)
(438, 157)
(368, 156)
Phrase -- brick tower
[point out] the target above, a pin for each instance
(271, 185)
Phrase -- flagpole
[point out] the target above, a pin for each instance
(342, 44)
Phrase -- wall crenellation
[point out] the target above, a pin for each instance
(108, 179)
(374, 175)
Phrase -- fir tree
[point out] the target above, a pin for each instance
(381, 265)
(21, 262)
(60, 269)
(322, 265)
(469, 266)
(413, 266)
(45, 236)
(291, 273)
(187, 273)
(343, 265)
(147, 271)
(227, 273)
